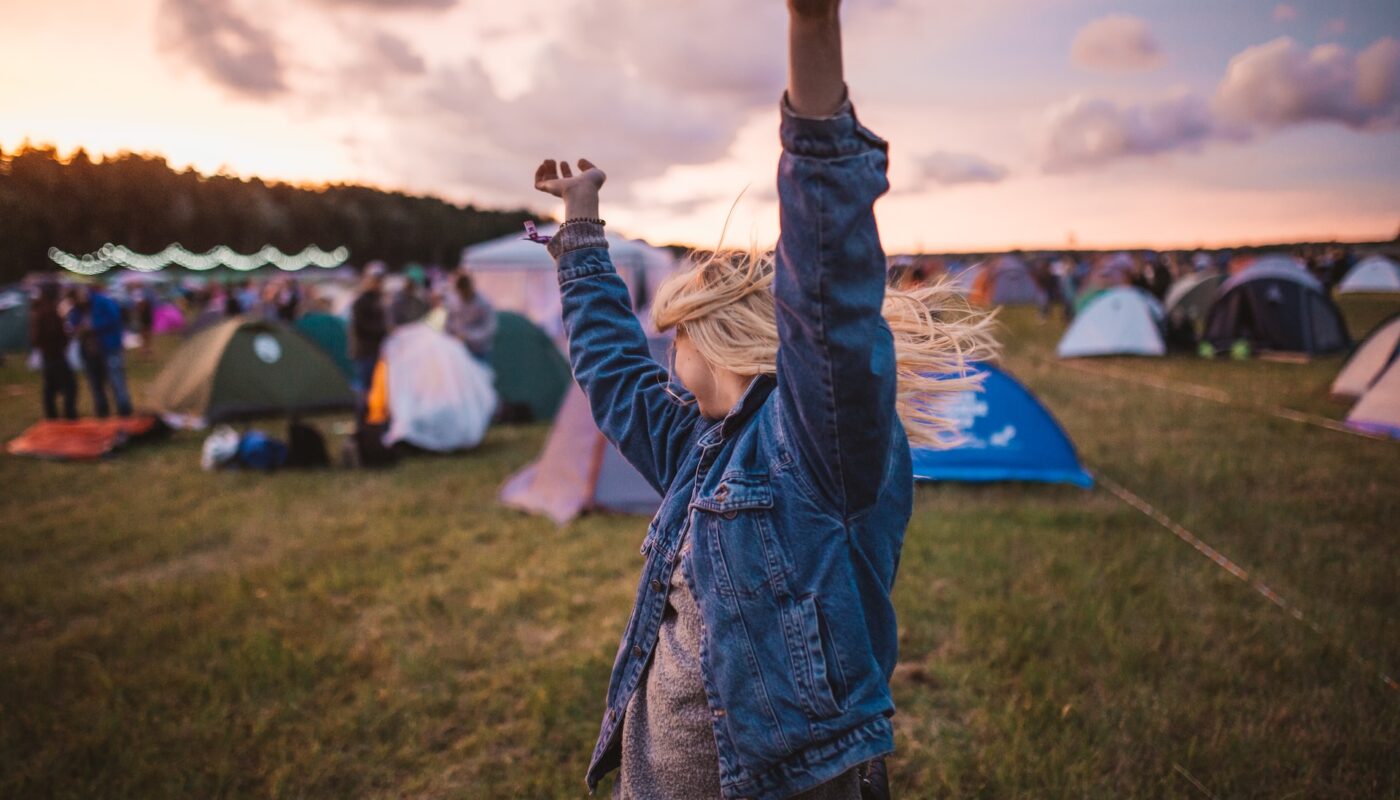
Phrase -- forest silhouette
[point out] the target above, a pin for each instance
(77, 204)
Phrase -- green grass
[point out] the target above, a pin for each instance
(166, 632)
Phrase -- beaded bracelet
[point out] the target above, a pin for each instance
(578, 220)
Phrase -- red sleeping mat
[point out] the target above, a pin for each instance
(82, 439)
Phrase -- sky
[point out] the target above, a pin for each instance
(1012, 123)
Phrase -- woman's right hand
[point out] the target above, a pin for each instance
(579, 192)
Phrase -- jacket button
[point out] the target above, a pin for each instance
(655, 585)
(722, 492)
(636, 651)
(731, 514)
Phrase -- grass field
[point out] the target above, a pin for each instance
(166, 632)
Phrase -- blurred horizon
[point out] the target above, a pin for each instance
(1053, 125)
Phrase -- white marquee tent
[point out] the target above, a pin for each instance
(518, 275)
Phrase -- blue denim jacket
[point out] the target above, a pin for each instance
(796, 502)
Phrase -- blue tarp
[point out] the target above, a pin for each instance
(1009, 436)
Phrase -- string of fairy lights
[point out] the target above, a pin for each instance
(115, 255)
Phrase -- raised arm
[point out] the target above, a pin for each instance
(627, 389)
(836, 366)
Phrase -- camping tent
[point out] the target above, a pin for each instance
(1370, 360)
(440, 398)
(1111, 271)
(330, 333)
(1372, 274)
(14, 321)
(1004, 281)
(1378, 410)
(246, 368)
(1187, 304)
(580, 470)
(1243, 263)
(1121, 321)
(518, 275)
(1279, 307)
(1008, 436)
(531, 375)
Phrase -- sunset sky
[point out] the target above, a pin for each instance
(1012, 122)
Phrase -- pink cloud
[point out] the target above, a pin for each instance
(1268, 87)
(1335, 27)
(1283, 12)
(1087, 132)
(1116, 42)
(1281, 83)
(950, 169)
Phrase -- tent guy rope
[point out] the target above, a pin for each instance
(1225, 563)
(1223, 398)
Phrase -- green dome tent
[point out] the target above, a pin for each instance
(246, 368)
(330, 333)
(14, 321)
(531, 375)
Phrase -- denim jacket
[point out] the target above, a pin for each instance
(796, 502)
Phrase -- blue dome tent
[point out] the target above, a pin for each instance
(1009, 436)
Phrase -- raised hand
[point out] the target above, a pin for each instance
(579, 192)
(558, 179)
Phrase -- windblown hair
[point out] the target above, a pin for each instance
(724, 304)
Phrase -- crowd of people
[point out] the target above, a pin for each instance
(85, 328)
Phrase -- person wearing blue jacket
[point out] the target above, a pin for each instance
(96, 320)
(757, 659)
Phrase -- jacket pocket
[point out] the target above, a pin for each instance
(820, 680)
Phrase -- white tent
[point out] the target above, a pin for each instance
(1372, 274)
(1121, 321)
(1378, 410)
(440, 398)
(518, 275)
(1369, 361)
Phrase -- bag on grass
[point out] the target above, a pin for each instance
(257, 450)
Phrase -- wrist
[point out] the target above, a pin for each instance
(581, 203)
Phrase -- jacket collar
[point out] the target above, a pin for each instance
(753, 398)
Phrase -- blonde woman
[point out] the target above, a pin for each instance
(757, 660)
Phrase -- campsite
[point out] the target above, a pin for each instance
(723, 400)
(402, 632)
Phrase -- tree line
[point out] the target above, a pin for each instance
(78, 204)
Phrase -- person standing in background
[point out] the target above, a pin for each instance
(368, 326)
(50, 338)
(472, 320)
(96, 320)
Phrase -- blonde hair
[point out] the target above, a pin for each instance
(724, 304)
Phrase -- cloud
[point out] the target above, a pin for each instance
(1283, 12)
(391, 5)
(1335, 27)
(388, 50)
(1116, 42)
(1087, 132)
(1268, 87)
(950, 169)
(224, 45)
(659, 91)
(1280, 83)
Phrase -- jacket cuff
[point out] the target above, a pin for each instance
(836, 136)
(577, 236)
